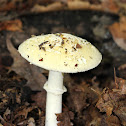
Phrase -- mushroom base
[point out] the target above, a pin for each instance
(55, 89)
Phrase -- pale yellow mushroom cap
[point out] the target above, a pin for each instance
(60, 52)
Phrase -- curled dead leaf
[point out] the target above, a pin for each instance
(33, 74)
(118, 31)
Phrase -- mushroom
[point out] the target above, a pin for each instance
(59, 53)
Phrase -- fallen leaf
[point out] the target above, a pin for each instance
(24, 111)
(113, 121)
(13, 25)
(5, 123)
(33, 74)
(4, 100)
(122, 71)
(31, 122)
(121, 112)
(41, 121)
(6, 113)
(23, 7)
(91, 116)
(122, 67)
(109, 110)
(51, 7)
(78, 5)
(39, 99)
(80, 96)
(27, 115)
(65, 118)
(105, 103)
(110, 6)
(118, 31)
(121, 83)
(113, 101)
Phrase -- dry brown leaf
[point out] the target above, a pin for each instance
(118, 31)
(120, 85)
(41, 121)
(38, 6)
(4, 100)
(91, 116)
(13, 25)
(110, 6)
(31, 122)
(9, 97)
(51, 7)
(30, 6)
(6, 113)
(24, 112)
(114, 100)
(39, 99)
(78, 5)
(20, 5)
(33, 74)
(67, 5)
(83, 5)
(121, 112)
(109, 110)
(122, 71)
(81, 96)
(113, 121)
(5, 123)
(122, 67)
(7, 6)
(106, 103)
(65, 118)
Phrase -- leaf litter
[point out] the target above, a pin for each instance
(118, 31)
(84, 105)
(25, 69)
(113, 101)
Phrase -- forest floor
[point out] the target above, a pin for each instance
(94, 98)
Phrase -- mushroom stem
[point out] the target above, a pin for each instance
(55, 89)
